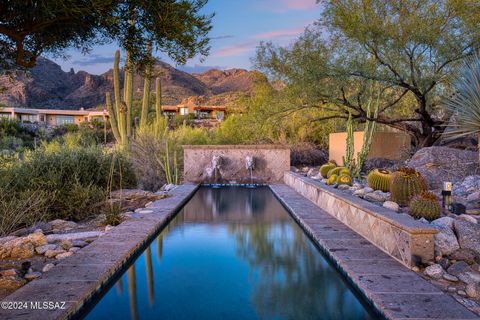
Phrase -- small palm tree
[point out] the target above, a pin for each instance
(465, 102)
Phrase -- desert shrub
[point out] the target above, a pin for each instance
(307, 154)
(21, 208)
(149, 156)
(76, 179)
(185, 135)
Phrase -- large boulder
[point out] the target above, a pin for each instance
(23, 247)
(439, 163)
(468, 234)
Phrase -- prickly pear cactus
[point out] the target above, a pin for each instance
(380, 179)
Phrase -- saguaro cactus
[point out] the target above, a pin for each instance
(120, 112)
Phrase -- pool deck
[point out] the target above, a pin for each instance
(393, 289)
(77, 279)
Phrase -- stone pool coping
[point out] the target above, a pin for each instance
(77, 279)
(237, 146)
(389, 287)
(407, 240)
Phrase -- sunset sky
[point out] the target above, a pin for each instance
(238, 27)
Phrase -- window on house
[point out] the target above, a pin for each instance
(5, 115)
(220, 115)
(65, 120)
(183, 111)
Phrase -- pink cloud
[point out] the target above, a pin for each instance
(286, 5)
(237, 49)
(279, 33)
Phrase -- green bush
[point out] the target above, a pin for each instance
(76, 179)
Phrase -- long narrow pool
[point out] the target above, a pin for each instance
(230, 253)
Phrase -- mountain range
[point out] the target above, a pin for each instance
(47, 86)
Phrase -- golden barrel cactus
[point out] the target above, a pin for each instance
(380, 179)
(425, 205)
(406, 183)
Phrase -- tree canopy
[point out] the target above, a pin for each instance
(34, 27)
(402, 49)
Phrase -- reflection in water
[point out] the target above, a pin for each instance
(232, 253)
(148, 262)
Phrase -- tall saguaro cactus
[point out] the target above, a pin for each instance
(120, 112)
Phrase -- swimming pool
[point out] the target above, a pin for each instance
(231, 253)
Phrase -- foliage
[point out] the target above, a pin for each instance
(15, 136)
(324, 169)
(258, 118)
(31, 28)
(425, 205)
(307, 153)
(406, 183)
(356, 164)
(345, 179)
(20, 209)
(380, 179)
(405, 47)
(464, 103)
(75, 178)
(153, 155)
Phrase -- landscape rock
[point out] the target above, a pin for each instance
(8, 273)
(473, 290)
(22, 250)
(32, 275)
(444, 222)
(458, 268)
(359, 193)
(383, 163)
(391, 205)
(79, 243)
(54, 253)
(468, 218)
(376, 196)
(435, 271)
(48, 267)
(435, 163)
(11, 283)
(450, 277)
(467, 255)
(343, 187)
(74, 236)
(64, 255)
(445, 241)
(7, 239)
(74, 249)
(65, 244)
(45, 248)
(469, 277)
(468, 235)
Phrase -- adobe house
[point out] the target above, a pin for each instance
(53, 117)
(197, 107)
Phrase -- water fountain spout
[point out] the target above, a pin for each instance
(250, 166)
(216, 165)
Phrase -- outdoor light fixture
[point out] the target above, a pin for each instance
(447, 196)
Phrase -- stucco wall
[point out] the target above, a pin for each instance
(271, 161)
(389, 145)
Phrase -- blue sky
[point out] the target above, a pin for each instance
(238, 27)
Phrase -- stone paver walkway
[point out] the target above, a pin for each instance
(396, 291)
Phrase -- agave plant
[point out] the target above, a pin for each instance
(464, 103)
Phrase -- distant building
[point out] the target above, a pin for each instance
(196, 107)
(53, 117)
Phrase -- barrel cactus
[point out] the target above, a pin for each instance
(345, 179)
(406, 183)
(380, 179)
(335, 171)
(425, 205)
(332, 179)
(326, 168)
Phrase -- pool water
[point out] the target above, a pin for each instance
(230, 253)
